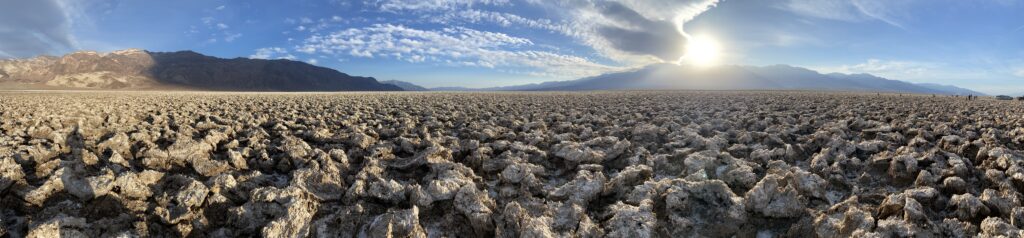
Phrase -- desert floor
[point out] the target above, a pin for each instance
(615, 164)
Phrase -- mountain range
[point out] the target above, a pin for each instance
(136, 69)
(406, 86)
(730, 77)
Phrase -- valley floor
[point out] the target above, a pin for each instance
(616, 164)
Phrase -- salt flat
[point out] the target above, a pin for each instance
(616, 164)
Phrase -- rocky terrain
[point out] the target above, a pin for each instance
(136, 69)
(612, 164)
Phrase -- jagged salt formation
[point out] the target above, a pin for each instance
(622, 164)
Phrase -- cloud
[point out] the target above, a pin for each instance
(826, 9)
(628, 31)
(222, 26)
(272, 53)
(893, 69)
(502, 19)
(1019, 72)
(633, 31)
(31, 28)
(850, 10)
(877, 65)
(232, 37)
(433, 5)
(452, 46)
(637, 34)
(221, 7)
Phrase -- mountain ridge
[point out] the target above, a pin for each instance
(730, 77)
(406, 86)
(136, 69)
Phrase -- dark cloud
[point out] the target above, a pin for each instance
(33, 27)
(641, 35)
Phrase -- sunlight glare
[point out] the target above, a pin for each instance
(701, 51)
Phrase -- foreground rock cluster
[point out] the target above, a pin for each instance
(622, 164)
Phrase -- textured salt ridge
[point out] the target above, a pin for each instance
(623, 164)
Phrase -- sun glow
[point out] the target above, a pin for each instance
(702, 51)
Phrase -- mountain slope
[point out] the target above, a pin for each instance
(731, 77)
(138, 69)
(407, 86)
(952, 89)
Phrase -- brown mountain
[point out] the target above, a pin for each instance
(135, 69)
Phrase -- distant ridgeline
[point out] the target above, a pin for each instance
(731, 77)
(135, 69)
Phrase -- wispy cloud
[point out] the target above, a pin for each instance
(1019, 72)
(502, 19)
(272, 53)
(232, 37)
(886, 11)
(452, 46)
(30, 28)
(433, 5)
(825, 9)
(632, 31)
(895, 69)
(850, 10)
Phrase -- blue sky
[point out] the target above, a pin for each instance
(978, 44)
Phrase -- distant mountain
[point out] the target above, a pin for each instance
(407, 86)
(954, 90)
(732, 77)
(458, 89)
(135, 69)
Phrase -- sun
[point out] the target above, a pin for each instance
(702, 51)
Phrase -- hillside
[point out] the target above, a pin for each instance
(139, 70)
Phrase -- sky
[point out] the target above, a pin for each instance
(977, 44)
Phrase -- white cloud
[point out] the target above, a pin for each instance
(312, 61)
(222, 26)
(634, 32)
(629, 32)
(888, 11)
(452, 46)
(502, 19)
(433, 5)
(272, 53)
(826, 9)
(892, 69)
(221, 7)
(232, 37)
